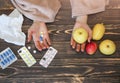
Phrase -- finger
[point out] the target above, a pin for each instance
(37, 45)
(78, 47)
(29, 35)
(42, 45)
(37, 42)
(90, 35)
(73, 44)
(83, 47)
(89, 38)
(48, 40)
(45, 43)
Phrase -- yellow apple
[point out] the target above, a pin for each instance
(98, 31)
(107, 47)
(80, 35)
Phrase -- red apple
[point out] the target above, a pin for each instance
(91, 48)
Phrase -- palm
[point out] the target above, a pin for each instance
(34, 32)
(81, 47)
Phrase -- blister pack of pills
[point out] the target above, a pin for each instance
(26, 56)
(48, 57)
(7, 57)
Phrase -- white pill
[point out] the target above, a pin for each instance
(29, 47)
(34, 51)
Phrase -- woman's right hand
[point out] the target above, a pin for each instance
(34, 33)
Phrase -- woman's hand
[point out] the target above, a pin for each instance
(81, 47)
(34, 33)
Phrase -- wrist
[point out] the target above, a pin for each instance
(39, 22)
(82, 19)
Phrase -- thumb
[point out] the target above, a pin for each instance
(29, 36)
(90, 36)
(89, 39)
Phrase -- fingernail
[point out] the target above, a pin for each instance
(40, 49)
(77, 50)
(82, 50)
(73, 47)
(47, 46)
(44, 47)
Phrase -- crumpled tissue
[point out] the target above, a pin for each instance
(10, 28)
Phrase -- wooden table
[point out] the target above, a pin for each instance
(68, 65)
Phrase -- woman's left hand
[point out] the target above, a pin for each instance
(81, 47)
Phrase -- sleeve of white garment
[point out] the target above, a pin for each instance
(38, 10)
(85, 7)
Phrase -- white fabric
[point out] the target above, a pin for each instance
(10, 28)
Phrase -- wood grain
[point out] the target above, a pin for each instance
(68, 66)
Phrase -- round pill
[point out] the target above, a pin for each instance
(29, 47)
(34, 51)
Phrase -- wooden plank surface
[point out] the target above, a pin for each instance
(68, 66)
